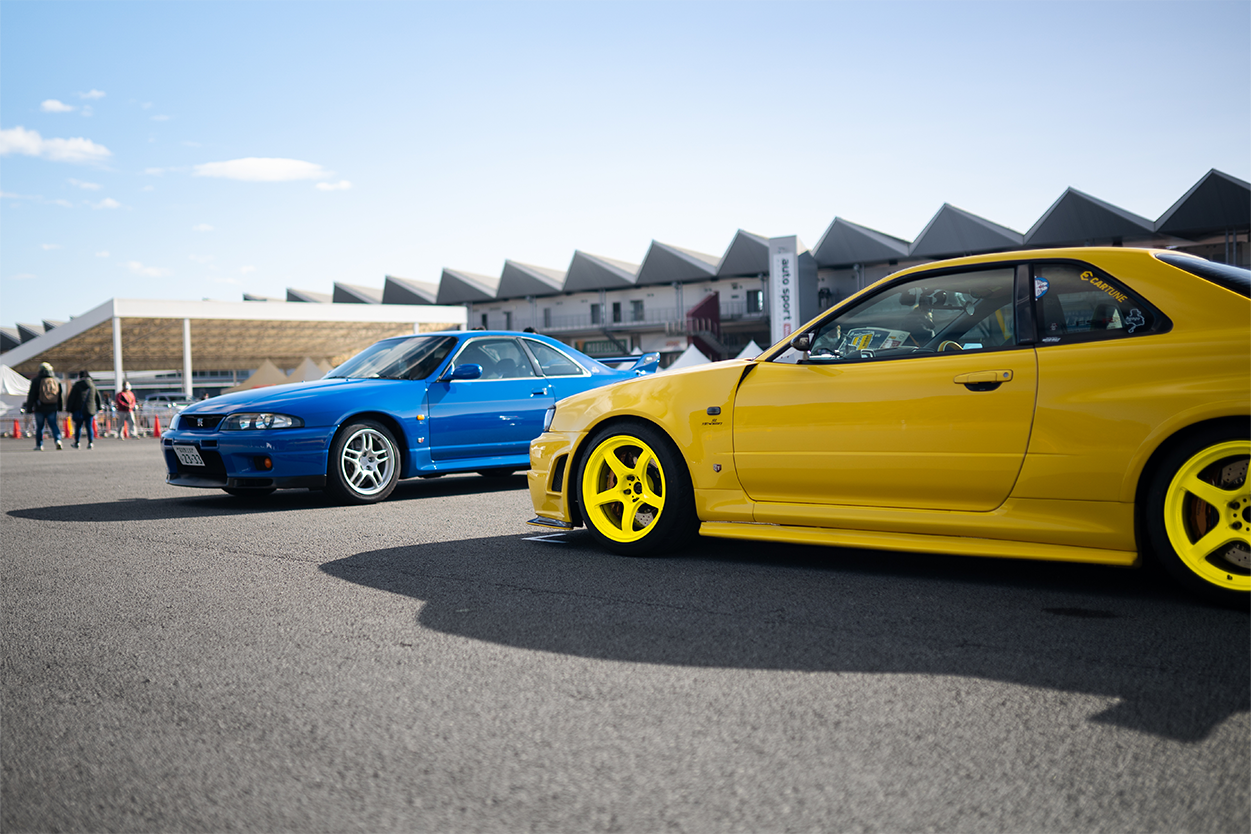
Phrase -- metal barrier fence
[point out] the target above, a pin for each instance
(150, 421)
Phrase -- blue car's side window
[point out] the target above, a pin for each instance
(499, 358)
(552, 361)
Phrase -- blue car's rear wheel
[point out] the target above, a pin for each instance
(364, 463)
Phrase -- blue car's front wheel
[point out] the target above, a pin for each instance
(364, 463)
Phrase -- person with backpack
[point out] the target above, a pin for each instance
(45, 399)
(126, 406)
(84, 402)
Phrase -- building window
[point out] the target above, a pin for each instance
(597, 316)
(484, 321)
(636, 310)
(755, 301)
(616, 312)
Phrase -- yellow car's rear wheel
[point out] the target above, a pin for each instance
(634, 491)
(1200, 516)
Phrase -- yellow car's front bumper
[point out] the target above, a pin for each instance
(551, 459)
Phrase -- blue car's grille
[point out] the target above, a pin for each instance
(199, 422)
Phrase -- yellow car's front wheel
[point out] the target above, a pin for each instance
(634, 491)
(1200, 515)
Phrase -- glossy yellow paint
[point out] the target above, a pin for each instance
(915, 472)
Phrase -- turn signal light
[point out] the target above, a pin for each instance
(265, 463)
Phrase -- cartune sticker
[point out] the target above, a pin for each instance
(1041, 285)
(1089, 277)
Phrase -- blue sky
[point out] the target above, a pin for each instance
(400, 138)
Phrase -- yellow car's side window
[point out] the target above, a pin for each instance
(932, 314)
(1076, 303)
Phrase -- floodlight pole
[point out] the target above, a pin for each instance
(117, 354)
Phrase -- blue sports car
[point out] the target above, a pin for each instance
(411, 406)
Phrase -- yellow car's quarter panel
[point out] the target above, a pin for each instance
(904, 433)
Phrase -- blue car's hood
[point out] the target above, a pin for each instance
(296, 398)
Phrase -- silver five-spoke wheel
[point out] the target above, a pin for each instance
(364, 463)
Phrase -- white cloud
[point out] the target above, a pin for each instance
(65, 203)
(147, 271)
(341, 185)
(87, 186)
(188, 143)
(259, 169)
(92, 94)
(22, 276)
(160, 118)
(54, 106)
(88, 111)
(155, 172)
(147, 105)
(107, 203)
(201, 227)
(103, 254)
(202, 259)
(247, 269)
(30, 143)
(148, 188)
(48, 246)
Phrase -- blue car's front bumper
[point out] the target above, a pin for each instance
(235, 459)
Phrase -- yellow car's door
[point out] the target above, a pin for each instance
(944, 432)
(917, 397)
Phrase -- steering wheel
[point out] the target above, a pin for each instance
(947, 344)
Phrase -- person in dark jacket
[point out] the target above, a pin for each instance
(46, 398)
(84, 402)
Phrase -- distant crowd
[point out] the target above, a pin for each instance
(47, 398)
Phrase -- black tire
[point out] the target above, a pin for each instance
(655, 513)
(247, 494)
(496, 473)
(364, 464)
(1204, 543)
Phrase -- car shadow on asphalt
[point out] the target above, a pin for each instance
(202, 503)
(1176, 666)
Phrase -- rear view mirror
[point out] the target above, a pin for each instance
(802, 342)
(470, 371)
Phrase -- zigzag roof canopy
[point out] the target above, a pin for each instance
(247, 296)
(845, 243)
(519, 280)
(9, 339)
(408, 291)
(1216, 201)
(457, 287)
(26, 332)
(592, 272)
(353, 294)
(665, 264)
(1078, 218)
(954, 231)
(747, 254)
(308, 296)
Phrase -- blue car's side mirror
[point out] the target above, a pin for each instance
(469, 371)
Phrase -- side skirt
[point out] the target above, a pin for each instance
(916, 543)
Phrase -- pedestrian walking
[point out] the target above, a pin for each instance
(83, 403)
(126, 405)
(45, 399)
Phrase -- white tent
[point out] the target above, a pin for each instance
(13, 389)
(325, 366)
(689, 359)
(750, 352)
(267, 374)
(306, 372)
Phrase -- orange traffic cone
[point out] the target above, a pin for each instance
(17, 428)
(69, 427)
(156, 426)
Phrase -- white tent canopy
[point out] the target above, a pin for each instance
(267, 374)
(689, 359)
(751, 351)
(13, 389)
(307, 371)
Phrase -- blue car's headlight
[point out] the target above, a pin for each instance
(263, 420)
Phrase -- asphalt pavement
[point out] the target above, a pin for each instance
(181, 660)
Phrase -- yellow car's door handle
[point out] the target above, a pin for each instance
(983, 380)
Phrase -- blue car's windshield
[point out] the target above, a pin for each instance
(414, 358)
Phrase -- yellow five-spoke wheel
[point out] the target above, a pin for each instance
(634, 491)
(1200, 516)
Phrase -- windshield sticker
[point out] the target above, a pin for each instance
(891, 343)
(860, 341)
(1041, 285)
(1108, 288)
(1051, 339)
(1135, 319)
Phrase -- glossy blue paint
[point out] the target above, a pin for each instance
(454, 402)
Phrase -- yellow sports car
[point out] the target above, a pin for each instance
(1084, 405)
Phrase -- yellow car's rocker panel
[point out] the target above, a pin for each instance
(915, 543)
(1081, 405)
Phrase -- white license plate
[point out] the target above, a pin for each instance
(188, 455)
